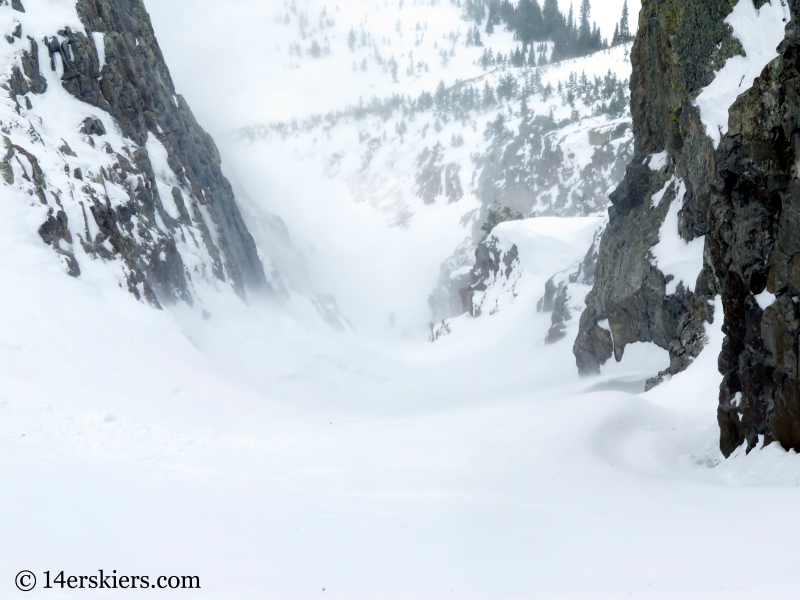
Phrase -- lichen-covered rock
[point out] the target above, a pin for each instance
(680, 44)
(743, 196)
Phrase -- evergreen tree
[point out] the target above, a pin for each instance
(351, 39)
(562, 41)
(615, 39)
(528, 24)
(585, 27)
(532, 57)
(493, 15)
(624, 28)
(596, 41)
(487, 59)
(553, 21)
(489, 99)
(440, 97)
(518, 58)
(570, 19)
(506, 13)
(475, 10)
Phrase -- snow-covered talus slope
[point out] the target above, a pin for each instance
(111, 161)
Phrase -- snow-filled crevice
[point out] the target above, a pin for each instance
(673, 255)
(656, 198)
(100, 45)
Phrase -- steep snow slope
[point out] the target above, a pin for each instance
(477, 468)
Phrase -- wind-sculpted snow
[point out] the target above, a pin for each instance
(313, 460)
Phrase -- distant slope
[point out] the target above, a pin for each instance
(549, 140)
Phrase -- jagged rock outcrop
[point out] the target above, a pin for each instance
(508, 264)
(679, 45)
(493, 265)
(535, 172)
(743, 196)
(134, 179)
(490, 283)
(755, 251)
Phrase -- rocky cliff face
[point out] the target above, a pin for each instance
(754, 248)
(112, 157)
(738, 200)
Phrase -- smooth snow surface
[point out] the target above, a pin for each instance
(640, 359)
(673, 255)
(273, 460)
(760, 31)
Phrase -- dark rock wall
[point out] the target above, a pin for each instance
(679, 45)
(134, 86)
(744, 197)
(755, 246)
